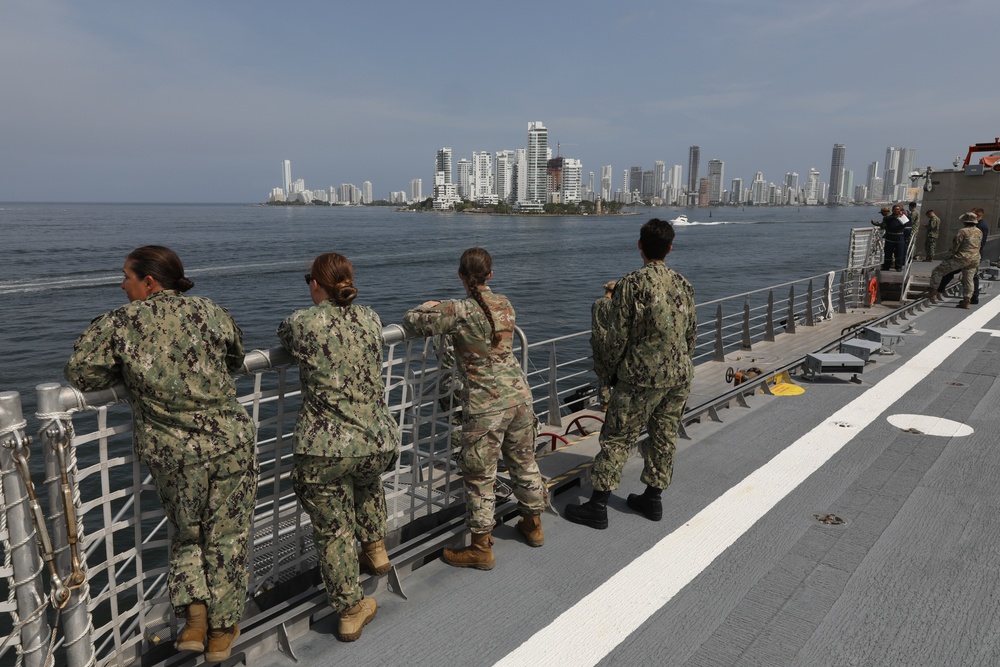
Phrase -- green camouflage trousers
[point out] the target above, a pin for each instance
(345, 500)
(631, 408)
(930, 244)
(485, 438)
(968, 267)
(210, 509)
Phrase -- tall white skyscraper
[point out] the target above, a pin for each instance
(791, 188)
(506, 163)
(907, 157)
(442, 163)
(737, 194)
(716, 176)
(537, 154)
(812, 187)
(874, 193)
(482, 175)
(674, 183)
(286, 176)
(659, 179)
(366, 193)
(521, 174)
(891, 174)
(464, 179)
(694, 159)
(572, 178)
(837, 174)
(606, 176)
(416, 189)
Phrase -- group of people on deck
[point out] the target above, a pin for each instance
(175, 354)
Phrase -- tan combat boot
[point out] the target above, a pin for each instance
(373, 559)
(354, 619)
(192, 636)
(530, 526)
(932, 296)
(964, 303)
(220, 643)
(478, 555)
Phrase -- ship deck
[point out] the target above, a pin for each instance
(740, 571)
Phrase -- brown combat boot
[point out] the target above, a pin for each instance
(355, 619)
(530, 526)
(192, 636)
(932, 296)
(964, 303)
(220, 643)
(373, 559)
(478, 555)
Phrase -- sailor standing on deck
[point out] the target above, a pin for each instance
(345, 437)
(598, 342)
(964, 257)
(651, 335)
(175, 353)
(497, 418)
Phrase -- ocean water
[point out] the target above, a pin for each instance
(61, 264)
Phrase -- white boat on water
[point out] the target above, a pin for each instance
(680, 220)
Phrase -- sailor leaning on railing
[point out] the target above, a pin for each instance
(175, 354)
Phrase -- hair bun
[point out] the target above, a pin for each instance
(184, 284)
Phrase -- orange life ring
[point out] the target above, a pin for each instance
(872, 291)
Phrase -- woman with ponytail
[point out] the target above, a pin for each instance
(497, 416)
(175, 354)
(345, 437)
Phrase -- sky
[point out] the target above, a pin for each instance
(196, 102)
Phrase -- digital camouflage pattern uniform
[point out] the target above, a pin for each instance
(651, 335)
(345, 437)
(174, 354)
(930, 240)
(497, 414)
(964, 257)
(599, 313)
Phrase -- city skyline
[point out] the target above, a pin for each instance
(143, 102)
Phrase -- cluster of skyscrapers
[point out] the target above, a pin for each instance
(530, 177)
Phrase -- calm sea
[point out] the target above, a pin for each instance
(61, 263)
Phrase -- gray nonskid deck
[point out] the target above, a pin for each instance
(907, 580)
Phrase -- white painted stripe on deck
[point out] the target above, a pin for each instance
(586, 632)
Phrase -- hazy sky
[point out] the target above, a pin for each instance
(200, 101)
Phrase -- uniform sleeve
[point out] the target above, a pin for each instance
(286, 335)
(431, 320)
(93, 365)
(620, 316)
(234, 348)
(692, 332)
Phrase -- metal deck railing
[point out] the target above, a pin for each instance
(119, 614)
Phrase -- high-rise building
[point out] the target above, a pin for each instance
(537, 156)
(606, 182)
(626, 194)
(572, 178)
(791, 187)
(521, 174)
(416, 189)
(286, 176)
(659, 179)
(482, 176)
(837, 175)
(635, 181)
(891, 174)
(506, 163)
(736, 196)
(716, 174)
(812, 187)
(694, 158)
(464, 179)
(442, 163)
(872, 193)
(907, 158)
(702, 192)
(674, 184)
(758, 189)
(847, 189)
(366, 193)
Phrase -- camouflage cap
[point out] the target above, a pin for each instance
(969, 218)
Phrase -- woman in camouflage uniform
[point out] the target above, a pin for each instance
(345, 437)
(497, 414)
(175, 354)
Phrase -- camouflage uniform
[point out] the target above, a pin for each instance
(964, 257)
(599, 313)
(651, 335)
(497, 414)
(930, 240)
(174, 354)
(345, 437)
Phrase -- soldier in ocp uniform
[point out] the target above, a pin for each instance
(345, 437)
(175, 354)
(651, 336)
(964, 257)
(497, 415)
(930, 239)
